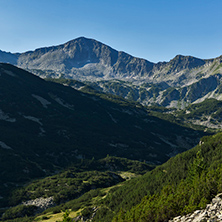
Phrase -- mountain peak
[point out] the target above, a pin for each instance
(84, 39)
(179, 57)
(81, 39)
(183, 62)
(84, 59)
(182, 57)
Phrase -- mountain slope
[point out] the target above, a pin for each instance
(206, 113)
(198, 182)
(182, 185)
(162, 93)
(47, 126)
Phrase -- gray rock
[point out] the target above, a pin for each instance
(41, 203)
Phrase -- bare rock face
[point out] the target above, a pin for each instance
(187, 79)
(88, 59)
(41, 203)
(212, 213)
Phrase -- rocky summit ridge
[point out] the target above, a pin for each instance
(84, 59)
(177, 83)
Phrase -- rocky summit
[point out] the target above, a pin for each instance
(83, 59)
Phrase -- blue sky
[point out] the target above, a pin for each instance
(156, 30)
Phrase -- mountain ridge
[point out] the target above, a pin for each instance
(83, 40)
(91, 61)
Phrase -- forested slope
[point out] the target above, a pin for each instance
(183, 184)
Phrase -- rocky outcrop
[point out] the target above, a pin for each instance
(86, 217)
(212, 213)
(41, 203)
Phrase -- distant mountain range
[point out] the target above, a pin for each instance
(177, 83)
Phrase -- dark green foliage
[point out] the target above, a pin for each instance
(45, 218)
(183, 184)
(197, 167)
(207, 107)
(66, 217)
(115, 164)
(189, 181)
(86, 212)
(19, 211)
(84, 201)
(76, 181)
(65, 186)
(79, 179)
(103, 212)
(69, 82)
(21, 219)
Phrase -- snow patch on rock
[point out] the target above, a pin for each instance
(34, 119)
(5, 117)
(4, 146)
(62, 102)
(114, 120)
(119, 145)
(166, 141)
(10, 73)
(42, 131)
(43, 101)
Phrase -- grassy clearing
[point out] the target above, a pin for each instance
(50, 217)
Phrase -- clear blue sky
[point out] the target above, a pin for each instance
(156, 30)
